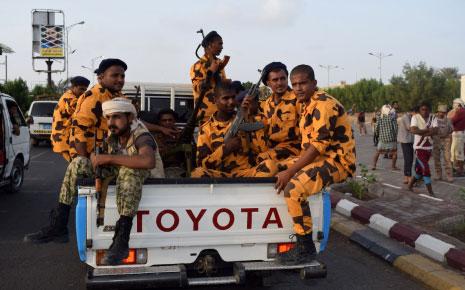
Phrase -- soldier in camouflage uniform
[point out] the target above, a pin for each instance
(442, 143)
(132, 155)
(208, 66)
(280, 113)
(327, 157)
(88, 124)
(217, 158)
(61, 126)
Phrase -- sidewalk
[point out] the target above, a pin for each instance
(414, 209)
(420, 223)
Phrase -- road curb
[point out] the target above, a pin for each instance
(426, 244)
(430, 273)
(400, 255)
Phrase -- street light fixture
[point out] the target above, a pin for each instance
(5, 50)
(329, 68)
(92, 66)
(68, 28)
(380, 57)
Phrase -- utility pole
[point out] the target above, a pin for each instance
(68, 28)
(5, 50)
(380, 57)
(329, 68)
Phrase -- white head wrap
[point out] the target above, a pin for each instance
(385, 110)
(118, 105)
(458, 102)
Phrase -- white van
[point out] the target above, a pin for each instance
(157, 96)
(40, 119)
(14, 144)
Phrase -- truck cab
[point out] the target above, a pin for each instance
(193, 232)
(14, 144)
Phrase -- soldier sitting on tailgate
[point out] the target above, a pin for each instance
(132, 151)
(216, 158)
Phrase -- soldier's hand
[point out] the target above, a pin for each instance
(214, 65)
(282, 179)
(232, 145)
(96, 160)
(169, 132)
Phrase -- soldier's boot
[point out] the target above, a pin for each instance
(56, 231)
(119, 249)
(303, 252)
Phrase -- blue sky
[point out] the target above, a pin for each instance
(157, 39)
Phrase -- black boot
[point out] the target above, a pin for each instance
(57, 231)
(303, 252)
(119, 249)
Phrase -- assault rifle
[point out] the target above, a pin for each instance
(187, 134)
(101, 194)
(240, 123)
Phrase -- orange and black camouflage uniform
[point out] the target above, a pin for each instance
(281, 127)
(212, 163)
(61, 126)
(198, 74)
(87, 120)
(324, 125)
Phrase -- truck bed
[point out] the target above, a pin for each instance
(241, 220)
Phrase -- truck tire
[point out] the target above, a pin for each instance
(16, 176)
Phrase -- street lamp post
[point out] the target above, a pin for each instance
(5, 50)
(329, 68)
(380, 57)
(92, 66)
(68, 28)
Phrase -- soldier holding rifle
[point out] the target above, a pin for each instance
(88, 125)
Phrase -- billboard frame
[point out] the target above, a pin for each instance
(47, 59)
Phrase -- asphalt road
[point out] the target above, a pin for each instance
(57, 266)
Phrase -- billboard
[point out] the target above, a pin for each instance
(48, 39)
(51, 41)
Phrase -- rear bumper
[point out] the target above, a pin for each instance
(176, 275)
(41, 136)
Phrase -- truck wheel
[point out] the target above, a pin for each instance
(34, 142)
(16, 176)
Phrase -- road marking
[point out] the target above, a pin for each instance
(451, 184)
(390, 185)
(37, 155)
(430, 197)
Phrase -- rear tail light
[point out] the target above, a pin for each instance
(275, 249)
(135, 257)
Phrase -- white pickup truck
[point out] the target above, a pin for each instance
(191, 232)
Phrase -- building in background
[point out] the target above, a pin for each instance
(462, 88)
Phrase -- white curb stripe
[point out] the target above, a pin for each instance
(381, 224)
(432, 247)
(392, 186)
(430, 197)
(345, 207)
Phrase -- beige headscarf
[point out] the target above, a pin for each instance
(118, 105)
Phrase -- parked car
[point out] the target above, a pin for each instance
(14, 144)
(40, 119)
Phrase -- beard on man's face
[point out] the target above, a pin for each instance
(115, 130)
